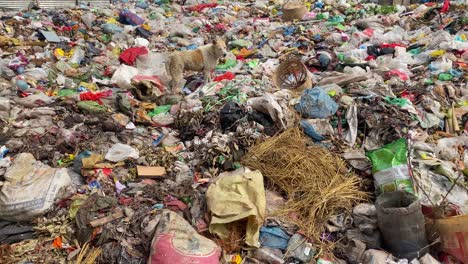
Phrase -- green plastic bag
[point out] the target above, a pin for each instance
(390, 168)
(229, 64)
(66, 92)
(401, 102)
(91, 107)
(162, 109)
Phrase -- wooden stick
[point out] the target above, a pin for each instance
(106, 219)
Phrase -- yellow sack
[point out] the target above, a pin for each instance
(236, 196)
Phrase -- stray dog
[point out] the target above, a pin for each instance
(204, 58)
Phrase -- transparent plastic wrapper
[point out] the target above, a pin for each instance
(179, 29)
(457, 42)
(397, 35)
(357, 38)
(35, 73)
(123, 40)
(153, 64)
(447, 148)
(88, 19)
(78, 56)
(35, 100)
(390, 168)
(6, 72)
(120, 152)
(434, 40)
(419, 33)
(357, 54)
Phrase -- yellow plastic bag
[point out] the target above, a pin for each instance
(237, 196)
(437, 53)
(111, 21)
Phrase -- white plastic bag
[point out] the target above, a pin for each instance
(123, 76)
(30, 188)
(441, 65)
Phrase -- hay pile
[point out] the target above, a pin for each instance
(317, 182)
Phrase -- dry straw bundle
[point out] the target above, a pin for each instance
(316, 181)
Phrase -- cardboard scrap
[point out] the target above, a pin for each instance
(50, 36)
(144, 171)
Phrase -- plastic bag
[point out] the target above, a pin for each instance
(35, 100)
(315, 103)
(91, 106)
(78, 56)
(130, 18)
(88, 19)
(390, 169)
(244, 194)
(30, 188)
(268, 104)
(35, 73)
(441, 65)
(123, 76)
(274, 237)
(111, 28)
(175, 241)
(454, 234)
(119, 152)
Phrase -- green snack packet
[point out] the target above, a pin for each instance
(390, 168)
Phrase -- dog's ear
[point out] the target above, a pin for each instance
(214, 41)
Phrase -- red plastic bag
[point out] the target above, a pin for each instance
(90, 96)
(403, 76)
(227, 76)
(200, 7)
(129, 56)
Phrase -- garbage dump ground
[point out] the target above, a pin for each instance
(234, 132)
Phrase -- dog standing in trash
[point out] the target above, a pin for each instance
(204, 58)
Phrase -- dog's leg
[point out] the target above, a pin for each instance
(177, 80)
(207, 75)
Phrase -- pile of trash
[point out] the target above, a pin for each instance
(234, 132)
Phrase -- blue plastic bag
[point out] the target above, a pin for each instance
(274, 237)
(111, 28)
(316, 103)
(310, 131)
(127, 17)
